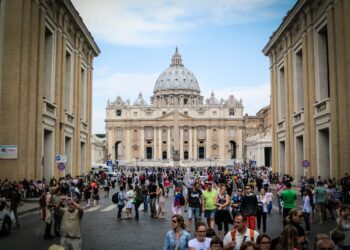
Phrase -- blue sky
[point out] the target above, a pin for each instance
(220, 41)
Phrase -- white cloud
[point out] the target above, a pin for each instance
(155, 22)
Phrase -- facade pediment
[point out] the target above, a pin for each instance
(171, 116)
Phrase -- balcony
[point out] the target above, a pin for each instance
(298, 118)
(322, 107)
(49, 108)
(69, 119)
(281, 125)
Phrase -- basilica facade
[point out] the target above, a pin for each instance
(179, 127)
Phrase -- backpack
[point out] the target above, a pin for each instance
(42, 200)
(115, 198)
(182, 200)
(251, 234)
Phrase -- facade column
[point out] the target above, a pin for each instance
(239, 145)
(128, 146)
(160, 143)
(208, 144)
(142, 143)
(195, 149)
(222, 144)
(190, 155)
(181, 143)
(154, 150)
(168, 144)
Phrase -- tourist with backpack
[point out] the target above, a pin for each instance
(239, 234)
(120, 203)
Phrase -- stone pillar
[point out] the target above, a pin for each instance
(155, 151)
(160, 143)
(190, 144)
(168, 144)
(222, 144)
(127, 145)
(208, 143)
(195, 140)
(181, 141)
(142, 143)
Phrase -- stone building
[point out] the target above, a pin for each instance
(178, 127)
(259, 145)
(98, 148)
(46, 65)
(309, 66)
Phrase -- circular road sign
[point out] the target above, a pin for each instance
(61, 166)
(306, 163)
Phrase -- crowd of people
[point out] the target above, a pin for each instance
(239, 196)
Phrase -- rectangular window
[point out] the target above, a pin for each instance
(231, 112)
(232, 133)
(118, 112)
(149, 132)
(281, 95)
(322, 63)
(49, 64)
(83, 94)
(201, 133)
(298, 81)
(118, 134)
(164, 113)
(69, 82)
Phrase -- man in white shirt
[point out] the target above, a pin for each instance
(239, 234)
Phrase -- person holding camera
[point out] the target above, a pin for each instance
(70, 224)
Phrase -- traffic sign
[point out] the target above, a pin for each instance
(61, 158)
(306, 163)
(61, 166)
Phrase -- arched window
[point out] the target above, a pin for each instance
(186, 155)
(164, 155)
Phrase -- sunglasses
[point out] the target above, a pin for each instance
(201, 231)
(265, 242)
(174, 221)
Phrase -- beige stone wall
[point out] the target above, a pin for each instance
(24, 113)
(300, 30)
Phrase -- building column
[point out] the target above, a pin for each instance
(142, 143)
(181, 143)
(126, 144)
(195, 149)
(190, 143)
(154, 150)
(160, 143)
(239, 145)
(222, 144)
(169, 143)
(208, 144)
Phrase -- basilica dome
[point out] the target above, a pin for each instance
(176, 78)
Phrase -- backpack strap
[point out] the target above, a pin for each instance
(233, 235)
(251, 232)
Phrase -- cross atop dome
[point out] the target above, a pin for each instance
(176, 59)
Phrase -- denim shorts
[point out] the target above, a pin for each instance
(209, 213)
(193, 211)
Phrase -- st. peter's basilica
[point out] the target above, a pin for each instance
(179, 127)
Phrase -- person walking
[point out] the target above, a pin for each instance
(193, 203)
(200, 242)
(177, 237)
(222, 214)
(161, 201)
(307, 207)
(288, 197)
(239, 234)
(152, 191)
(138, 200)
(208, 205)
(120, 203)
(262, 209)
(320, 192)
(249, 207)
